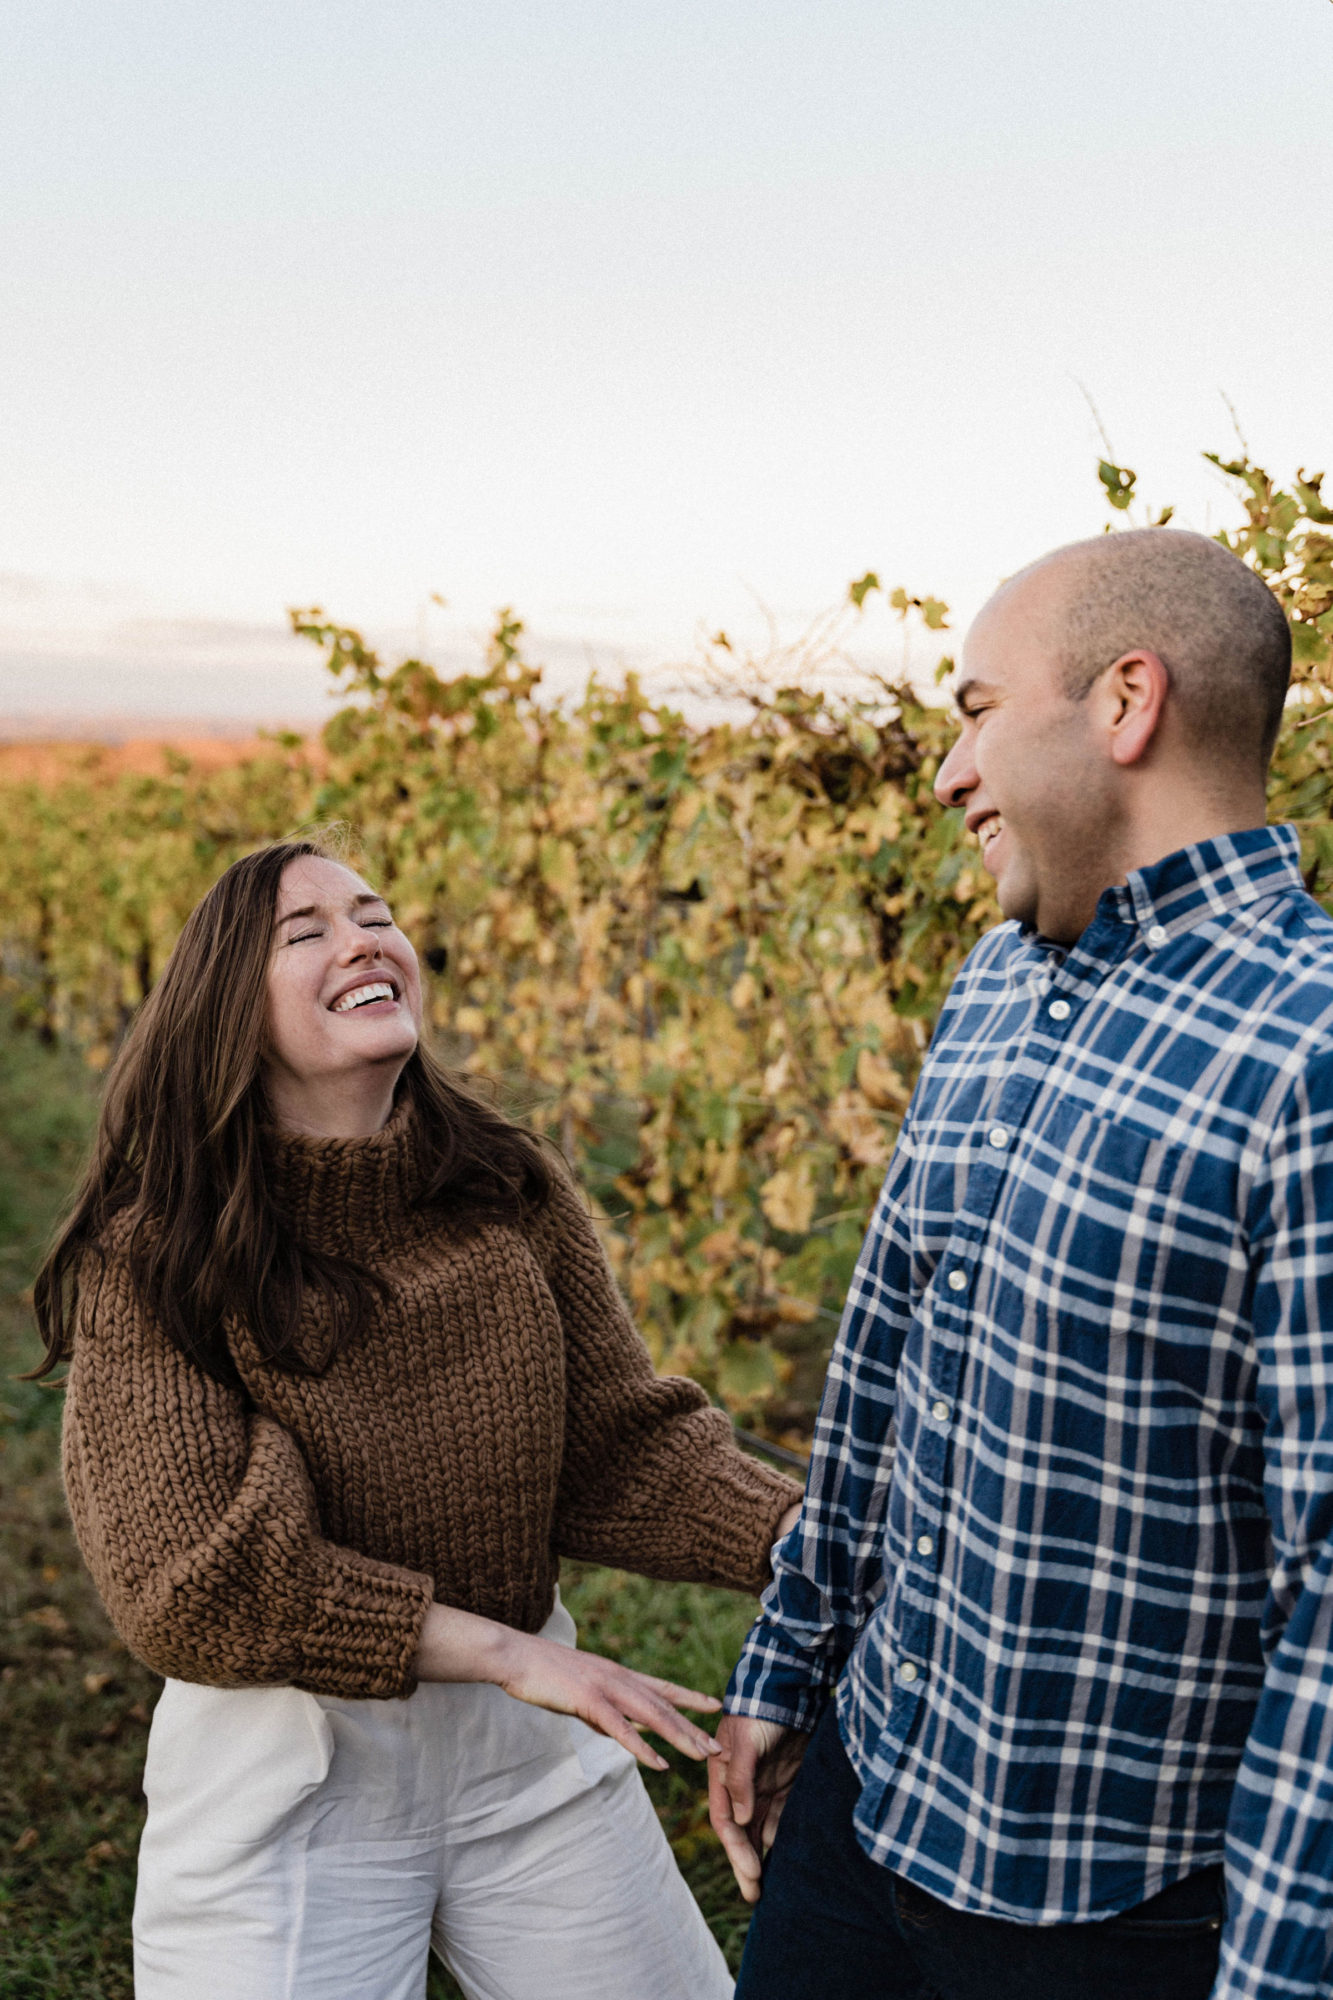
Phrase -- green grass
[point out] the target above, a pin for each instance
(74, 1704)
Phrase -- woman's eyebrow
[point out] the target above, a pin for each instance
(321, 909)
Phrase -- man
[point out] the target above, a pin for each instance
(1067, 1539)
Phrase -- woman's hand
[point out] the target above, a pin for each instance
(610, 1698)
(616, 1701)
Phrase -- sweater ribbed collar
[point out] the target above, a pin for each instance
(347, 1196)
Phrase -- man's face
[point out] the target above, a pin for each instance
(1029, 766)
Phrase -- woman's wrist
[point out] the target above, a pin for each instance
(459, 1646)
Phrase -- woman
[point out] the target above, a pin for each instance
(348, 1375)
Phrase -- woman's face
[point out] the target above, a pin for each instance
(344, 993)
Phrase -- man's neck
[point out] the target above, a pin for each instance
(1146, 838)
(1166, 823)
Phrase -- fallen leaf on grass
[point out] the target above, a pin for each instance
(94, 1683)
(100, 1851)
(50, 1619)
(138, 1713)
(27, 1839)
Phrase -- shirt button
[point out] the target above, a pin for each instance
(925, 1545)
(998, 1136)
(957, 1281)
(939, 1409)
(1156, 935)
(1059, 1010)
(907, 1670)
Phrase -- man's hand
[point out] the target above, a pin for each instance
(747, 1789)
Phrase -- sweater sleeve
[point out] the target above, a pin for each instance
(652, 1478)
(197, 1519)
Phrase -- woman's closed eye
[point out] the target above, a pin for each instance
(367, 924)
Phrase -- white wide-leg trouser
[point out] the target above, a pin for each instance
(302, 1848)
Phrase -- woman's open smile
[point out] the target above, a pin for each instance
(376, 993)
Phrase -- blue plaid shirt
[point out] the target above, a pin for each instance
(1068, 1533)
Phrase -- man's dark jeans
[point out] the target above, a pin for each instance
(833, 1925)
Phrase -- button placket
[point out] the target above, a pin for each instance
(918, 1578)
(911, 1643)
(1001, 1118)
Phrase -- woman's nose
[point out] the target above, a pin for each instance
(359, 943)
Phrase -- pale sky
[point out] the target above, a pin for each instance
(632, 316)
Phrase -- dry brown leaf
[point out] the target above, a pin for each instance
(788, 1199)
(796, 1312)
(858, 1129)
(880, 1083)
(775, 1076)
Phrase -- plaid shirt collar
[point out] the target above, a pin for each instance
(1169, 897)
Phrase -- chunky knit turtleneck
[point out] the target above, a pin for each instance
(355, 1195)
(497, 1411)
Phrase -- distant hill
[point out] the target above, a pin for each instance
(51, 759)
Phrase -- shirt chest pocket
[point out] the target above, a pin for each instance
(1125, 1223)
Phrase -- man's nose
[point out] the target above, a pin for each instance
(957, 776)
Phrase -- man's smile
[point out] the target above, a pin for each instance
(988, 827)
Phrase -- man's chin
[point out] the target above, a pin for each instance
(1016, 895)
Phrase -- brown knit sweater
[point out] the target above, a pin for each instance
(498, 1411)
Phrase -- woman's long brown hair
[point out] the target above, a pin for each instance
(179, 1154)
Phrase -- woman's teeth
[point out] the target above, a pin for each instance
(361, 996)
(990, 830)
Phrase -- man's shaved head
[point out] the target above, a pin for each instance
(1119, 700)
(1216, 626)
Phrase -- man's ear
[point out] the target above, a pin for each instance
(1134, 692)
